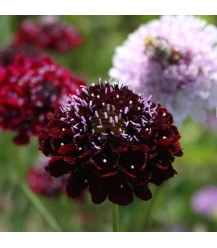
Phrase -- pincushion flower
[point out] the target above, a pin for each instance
(41, 183)
(10, 52)
(211, 123)
(174, 59)
(113, 141)
(48, 33)
(205, 201)
(30, 90)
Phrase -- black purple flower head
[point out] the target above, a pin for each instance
(113, 141)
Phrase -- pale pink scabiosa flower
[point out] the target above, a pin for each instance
(174, 59)
(30, 90)
(113, 142)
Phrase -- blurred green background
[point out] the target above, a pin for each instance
(171, 204)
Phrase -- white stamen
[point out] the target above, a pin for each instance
(63, 129)
(104, 160)
(164, 137)
(96, 113)
(132, 166)
(92, 94)
(62, 144)
(80, 148)
(98, 96)
(85, 180)
(121, 186)
(164, 114)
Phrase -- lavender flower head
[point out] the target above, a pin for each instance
(205, 201)
(174, 59)
(212, 121)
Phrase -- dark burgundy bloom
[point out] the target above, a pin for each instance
(48, 33)
(41, 183)
(30, 90)
(10, 52)
(112, 141)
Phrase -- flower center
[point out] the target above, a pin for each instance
(108, 120)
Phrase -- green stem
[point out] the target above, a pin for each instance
(34, 199)
(150, 209)
(41, 208)
(115, 213)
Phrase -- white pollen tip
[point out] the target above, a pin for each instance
(104, 160)
(121, 186)
(164, 114)
(132, 166)
(62, 144)
(164, 137)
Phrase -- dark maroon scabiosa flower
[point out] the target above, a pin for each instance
(49, 33)
(112, 141)
(30, 90)
(9, 53)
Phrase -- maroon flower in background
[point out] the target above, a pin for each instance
(41, 183)
(9, 53)
(113, 141)
(30, 90)
(48, 33)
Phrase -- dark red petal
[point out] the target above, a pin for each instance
(76, 183)
(66, 148)
(119, 191)
(105, 158)
(96, 190)
(58, 167)
(159, 176)
(21, 139)
(142, 192)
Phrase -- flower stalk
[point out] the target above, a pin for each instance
(115, 213)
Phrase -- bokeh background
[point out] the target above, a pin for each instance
(169, 210)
